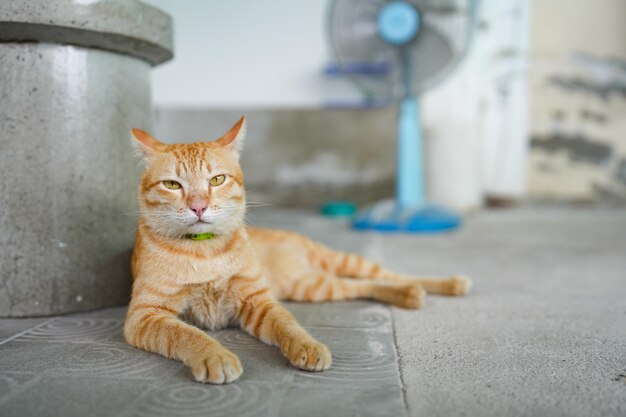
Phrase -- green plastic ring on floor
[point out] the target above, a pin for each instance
(338, 209)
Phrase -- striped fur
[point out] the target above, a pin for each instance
(238, 277)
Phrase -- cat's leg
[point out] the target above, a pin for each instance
(350, 265)
(155, 327)
(321, 286)
(262, 315)
(454, 285)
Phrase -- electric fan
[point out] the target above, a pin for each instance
(416, 42)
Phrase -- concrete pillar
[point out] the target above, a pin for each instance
(74, 78)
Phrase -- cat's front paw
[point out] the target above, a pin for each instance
(220, 367)
(309, 355)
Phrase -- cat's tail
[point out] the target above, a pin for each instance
(350, 265)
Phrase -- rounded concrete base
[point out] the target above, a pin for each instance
(74, 80)
(68, 183)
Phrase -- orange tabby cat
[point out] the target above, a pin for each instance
(195, 260)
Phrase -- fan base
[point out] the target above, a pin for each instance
(387, 216)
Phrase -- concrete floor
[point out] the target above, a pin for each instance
(542, 334)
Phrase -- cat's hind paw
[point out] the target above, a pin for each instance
(409, 296)
(412, 298)
(458, 285)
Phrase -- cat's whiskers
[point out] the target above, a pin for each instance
(134, 231)
(248, 221)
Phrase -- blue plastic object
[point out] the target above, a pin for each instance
(398, 22)
(387, 216)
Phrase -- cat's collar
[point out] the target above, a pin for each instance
(201, 236)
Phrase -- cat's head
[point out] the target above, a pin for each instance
(194, 188)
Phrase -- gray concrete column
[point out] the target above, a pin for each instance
(74, 78)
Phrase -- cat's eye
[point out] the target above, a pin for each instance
(217, 180)
(172, 185)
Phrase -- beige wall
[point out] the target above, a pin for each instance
(300, 157)
(578, 100)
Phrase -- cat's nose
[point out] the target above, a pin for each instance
(198, 207)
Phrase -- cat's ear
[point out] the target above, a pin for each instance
(145, 144)
(234, 138)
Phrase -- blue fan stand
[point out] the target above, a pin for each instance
(398, 24)
(386, 216)
(410, 213)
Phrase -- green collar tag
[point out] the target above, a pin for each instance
(201, 236)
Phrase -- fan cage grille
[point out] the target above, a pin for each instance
(442, 41)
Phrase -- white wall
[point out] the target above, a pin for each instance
(243, 53)
(477, 119)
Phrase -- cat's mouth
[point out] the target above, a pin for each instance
(199, 223)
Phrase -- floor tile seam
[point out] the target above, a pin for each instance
(101, 319)
(71, 342)
(15, 336)
(87, 317)
(79, 374)
(398, 357)
(21, 388)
